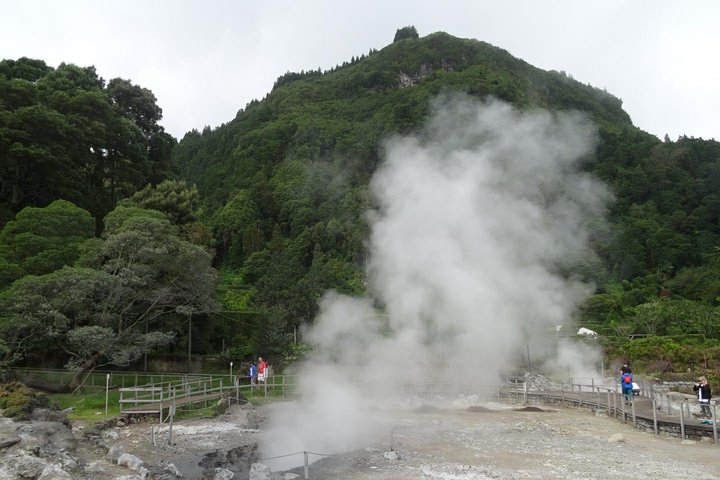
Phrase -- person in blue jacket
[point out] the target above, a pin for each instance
(626, 383)
(252, 373)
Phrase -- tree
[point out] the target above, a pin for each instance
(134, 291)
(175, 198)
(42, 240)
(406, 32)
(65, 134)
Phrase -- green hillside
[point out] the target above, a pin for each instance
(284, 183)
(115, 226)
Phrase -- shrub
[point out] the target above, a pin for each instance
(18, 401)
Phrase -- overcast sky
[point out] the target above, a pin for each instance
(204, 60)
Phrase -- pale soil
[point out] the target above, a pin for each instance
(507, 444)
(458, 444)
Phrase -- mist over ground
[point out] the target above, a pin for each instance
(478, 219)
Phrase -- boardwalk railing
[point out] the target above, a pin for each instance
(655, 408)
(191, 392)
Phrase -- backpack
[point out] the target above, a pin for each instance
(627, 378)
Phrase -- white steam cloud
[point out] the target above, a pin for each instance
(476, 219)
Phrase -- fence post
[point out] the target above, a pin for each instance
(580, 392)
(714, 422)
(161, 404)
(632, 409)
(655, 425)
(609, 409)
(107, 392)
(307, 473)
(682, 422)
(171, 413)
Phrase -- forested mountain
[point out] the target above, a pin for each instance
(284, 185)
(282, 190)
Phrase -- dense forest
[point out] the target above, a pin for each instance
(117, 240)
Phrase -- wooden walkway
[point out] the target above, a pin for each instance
(157, 407)
(155, 398)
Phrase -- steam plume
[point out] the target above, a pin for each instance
(476, 218)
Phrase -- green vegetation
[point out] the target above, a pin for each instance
(88, 406)
(107, 244)
(17, 400)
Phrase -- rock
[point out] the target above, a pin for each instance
(9, 441)
(47, 436)
(130, 461)
(110, 435)
(172, 469)
(128, 477)
(290, 476)
(617, 438)
(48, 415)
(54, 472)
(67, 462)
(94, 467)
(688, 442)
(223, 474)
(28, 466)
(114, 453)
(391, 456)
(260, 471)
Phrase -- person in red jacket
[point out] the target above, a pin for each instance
(262, 369)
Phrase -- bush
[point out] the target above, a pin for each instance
(18, 401)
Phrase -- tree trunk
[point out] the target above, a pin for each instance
(87, 367)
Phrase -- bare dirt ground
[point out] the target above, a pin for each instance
(495, 442)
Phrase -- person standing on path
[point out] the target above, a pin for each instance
(702, 387)
(253, 374)
(262, 370)
(626, 383)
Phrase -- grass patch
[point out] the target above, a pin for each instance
(88, 405)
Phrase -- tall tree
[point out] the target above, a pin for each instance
(133, 290)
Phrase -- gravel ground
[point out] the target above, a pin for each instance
(503, 443)
(495, 441)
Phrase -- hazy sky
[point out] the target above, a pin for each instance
(204, 60)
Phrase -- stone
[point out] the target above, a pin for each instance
(47, 436)
(9, 441)
(28, 466)
(391, 456)
(223, 474)
(130, 461)
(54, 472)
(617, 438)
(114, 453)
(94, 467)
(260, 471)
